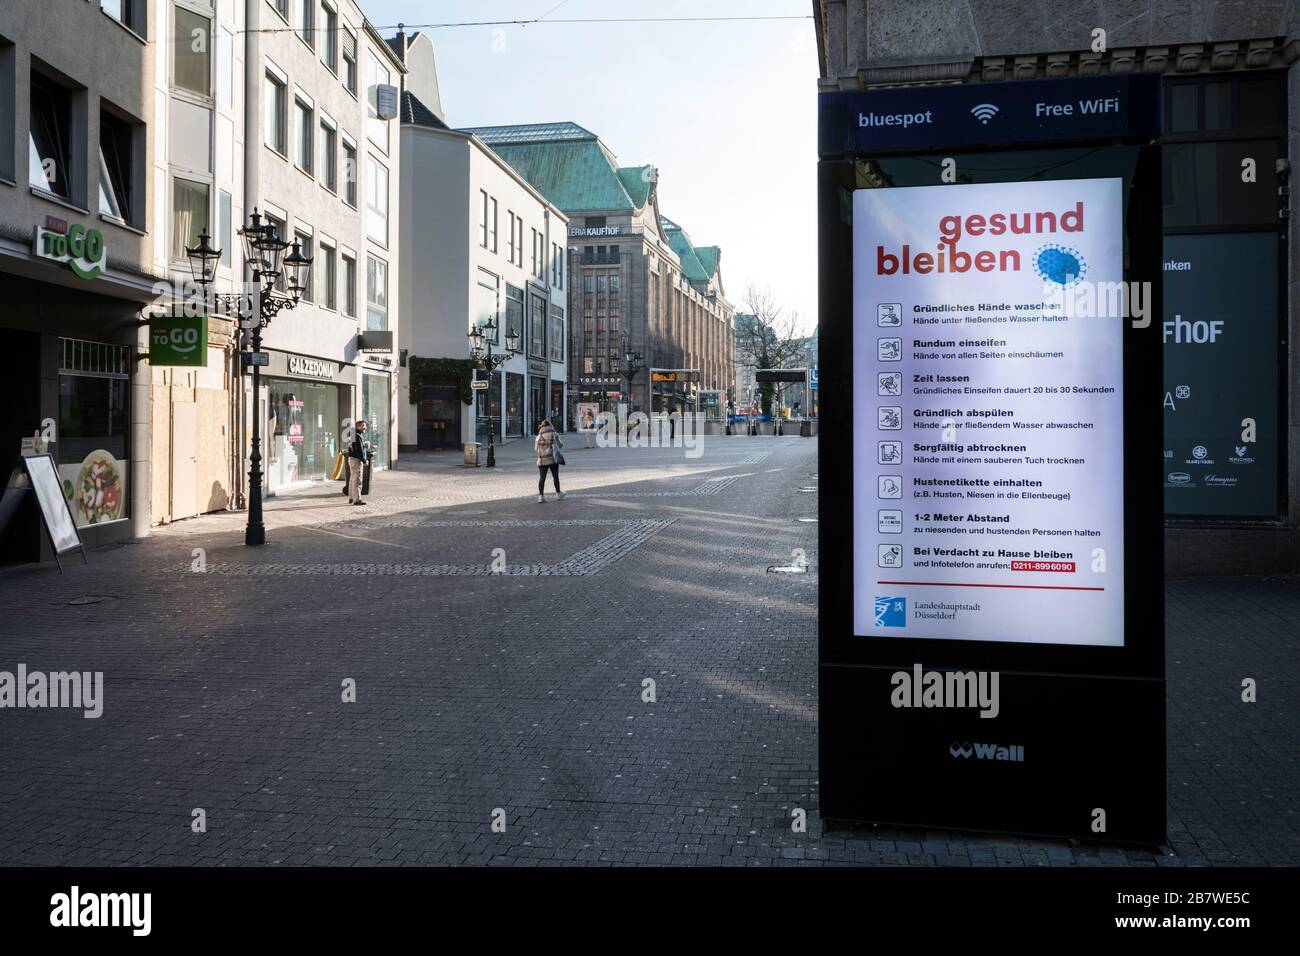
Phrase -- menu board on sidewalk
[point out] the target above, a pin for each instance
(988, 412)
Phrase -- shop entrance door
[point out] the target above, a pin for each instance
(536, 401)
(185, 456)
(439, 425)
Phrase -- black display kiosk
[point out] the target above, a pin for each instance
(1077, 748)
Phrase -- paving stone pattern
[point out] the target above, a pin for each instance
(524, 691)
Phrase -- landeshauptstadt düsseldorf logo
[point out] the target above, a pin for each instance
(1012, 754)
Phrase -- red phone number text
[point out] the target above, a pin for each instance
(1042, 566)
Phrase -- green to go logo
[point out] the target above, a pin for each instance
(81, 248)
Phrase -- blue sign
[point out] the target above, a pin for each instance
(812, 378)
(966, 115)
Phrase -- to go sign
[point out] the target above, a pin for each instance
(81, 248)
(179, 340)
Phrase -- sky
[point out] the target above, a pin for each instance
(725, 110)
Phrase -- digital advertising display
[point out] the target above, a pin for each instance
(1220, 405)
(988, 423)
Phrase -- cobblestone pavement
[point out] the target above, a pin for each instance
(499, 648)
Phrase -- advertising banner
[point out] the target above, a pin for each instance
(988, 443)
(1220, 339)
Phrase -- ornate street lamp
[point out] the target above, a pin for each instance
(480, 353)
(264, 253)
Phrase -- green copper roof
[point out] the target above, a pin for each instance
(568, 165)
(699, 263)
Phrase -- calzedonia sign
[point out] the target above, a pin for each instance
(81, 248)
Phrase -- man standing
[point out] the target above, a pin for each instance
(358, 455)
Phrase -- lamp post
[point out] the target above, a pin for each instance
(264, 253)
(632, 363)
(481, 354)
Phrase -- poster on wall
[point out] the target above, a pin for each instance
(1220, 338)
(587, 413)
(95, 488)
(988, 413)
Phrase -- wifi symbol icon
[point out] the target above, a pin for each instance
(984, 112)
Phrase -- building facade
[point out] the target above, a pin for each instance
(1231, 81)
(496, 257)
(76, 269)
(638, 283)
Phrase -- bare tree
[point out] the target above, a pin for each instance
(772, 338)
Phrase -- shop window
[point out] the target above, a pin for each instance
(376, 294)
(50, 155)
(189, 215)
(1203, 185)
(191, 52)
(94, 386)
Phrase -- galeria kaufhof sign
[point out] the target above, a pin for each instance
(1000, 454)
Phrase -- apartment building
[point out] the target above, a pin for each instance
(284, 111)
(76, 270)
(497, 257)
(639, 283)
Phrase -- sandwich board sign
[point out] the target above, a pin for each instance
(54, 506)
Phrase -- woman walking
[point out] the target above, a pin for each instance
(547, 444)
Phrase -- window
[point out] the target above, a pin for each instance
(281, 7)
(304, 240)
(376, 294)
(329, 171)
(557, 267)
(537, 259)
(515, 311)
(192, 69)
(376, 76)
(116, 167)
(537, 327)
(485, 307)
(324, 268)
(303, 134)
(519, 242)
(8, 107)
(349, 286)
(189, 215)
(510, 248)
(350, 172)
(329, 37)
(223, 225)
(307, 22)
(126, 12)
(557, 334)
(482, 218)
(225, 69)
(278, 228)
(376, 201)
(350, 61)
(274, 110)
(492, 226)
(50, 153)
